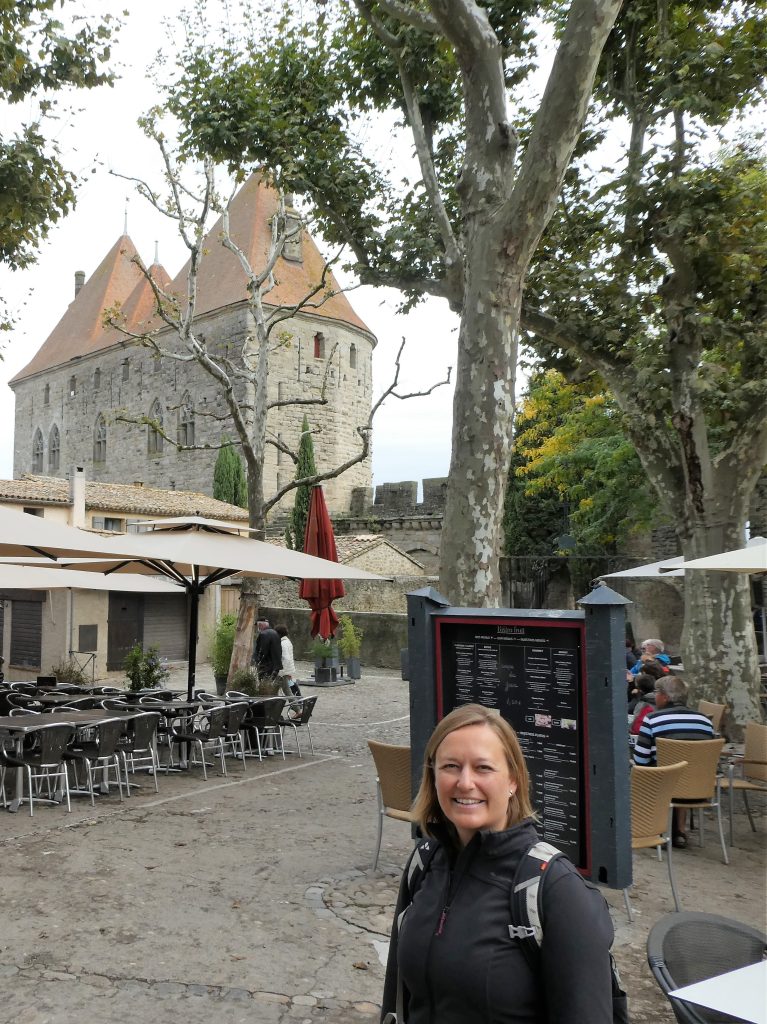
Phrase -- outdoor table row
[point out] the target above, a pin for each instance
(18, 727)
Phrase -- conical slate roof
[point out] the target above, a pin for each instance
(222, 281)
(81, 330)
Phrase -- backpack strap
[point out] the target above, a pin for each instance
(525, 898)
(419, 865)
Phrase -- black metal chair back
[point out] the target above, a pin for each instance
(141, 730)
(690, 946)
(53, 740)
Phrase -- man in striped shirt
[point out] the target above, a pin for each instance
(671, 720)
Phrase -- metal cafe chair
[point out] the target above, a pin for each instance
(699, 787)
(296, 716)
(43, 762)
(208, 729)
(393, 786)
(138, 747)
(98, 753)
(651, 792)
(688, 947)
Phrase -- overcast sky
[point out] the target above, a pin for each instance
(411, 439)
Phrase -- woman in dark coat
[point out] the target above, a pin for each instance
(451, 949)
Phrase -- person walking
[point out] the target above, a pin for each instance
(287, 675)
(267, 655)
(453, 955)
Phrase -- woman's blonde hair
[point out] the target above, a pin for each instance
(426, 806)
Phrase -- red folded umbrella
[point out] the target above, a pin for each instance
(320, 540)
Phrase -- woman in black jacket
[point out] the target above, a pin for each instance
(451, 947)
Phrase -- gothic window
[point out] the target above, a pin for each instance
(47, 395)
(37, 452)
(352, 357)
(96, 379)
(319, 346)
(100, 440)
(125, 370)
(54, 449)
(186, 421)
(72, 386)
(154, 436)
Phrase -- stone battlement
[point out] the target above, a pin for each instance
(400, 499)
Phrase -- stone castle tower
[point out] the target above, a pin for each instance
(71, 397)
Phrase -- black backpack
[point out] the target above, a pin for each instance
(525, 907)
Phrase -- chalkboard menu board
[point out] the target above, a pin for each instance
(532, 672)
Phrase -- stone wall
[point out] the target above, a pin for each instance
(361, 595)
(385, 634)
(126, 380)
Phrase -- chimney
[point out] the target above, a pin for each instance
(77, 496)
(79, 281)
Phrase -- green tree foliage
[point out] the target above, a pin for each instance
(460, 222)
(229, 482)
(574, 472)
(38, 57)
(305, 467)
(652, 273)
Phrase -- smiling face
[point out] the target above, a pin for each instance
(473, 780)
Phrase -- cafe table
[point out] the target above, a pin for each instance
(741, 994)
(17, 727)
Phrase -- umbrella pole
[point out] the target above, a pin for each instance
(194, 593)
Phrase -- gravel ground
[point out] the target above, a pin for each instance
(253, 895)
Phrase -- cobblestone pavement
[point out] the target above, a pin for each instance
(252, 896)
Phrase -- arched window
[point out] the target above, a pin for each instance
(54, 449)
(319, 346)
(96, 379)
(352, 357)
(72, 386)
(47, 395)
(100, 440)
(154, 437)
(186, 421)
(37, 451)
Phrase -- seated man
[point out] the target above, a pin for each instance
(671, 720)
(652, 650)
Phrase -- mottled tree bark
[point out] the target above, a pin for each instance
(504, 212)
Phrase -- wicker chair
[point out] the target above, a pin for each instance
(651, 791)
(393, 786)
(752, 770)
(686, 948)
(713, 711)
(699, 786)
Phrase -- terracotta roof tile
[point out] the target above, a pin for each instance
(222, 281)
(81, 330)
(351, 547)
(127, 498)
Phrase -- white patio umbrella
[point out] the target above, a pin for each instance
(652, 570)
(751, 559)
(35, 577)
(32, 537)
(195, 553)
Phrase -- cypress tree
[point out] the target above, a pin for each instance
(294, 534)
(229, 476)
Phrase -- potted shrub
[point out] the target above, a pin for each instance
(326, 661)
(246, 680)
(349, 644)
(221, 650)
(144, 668)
